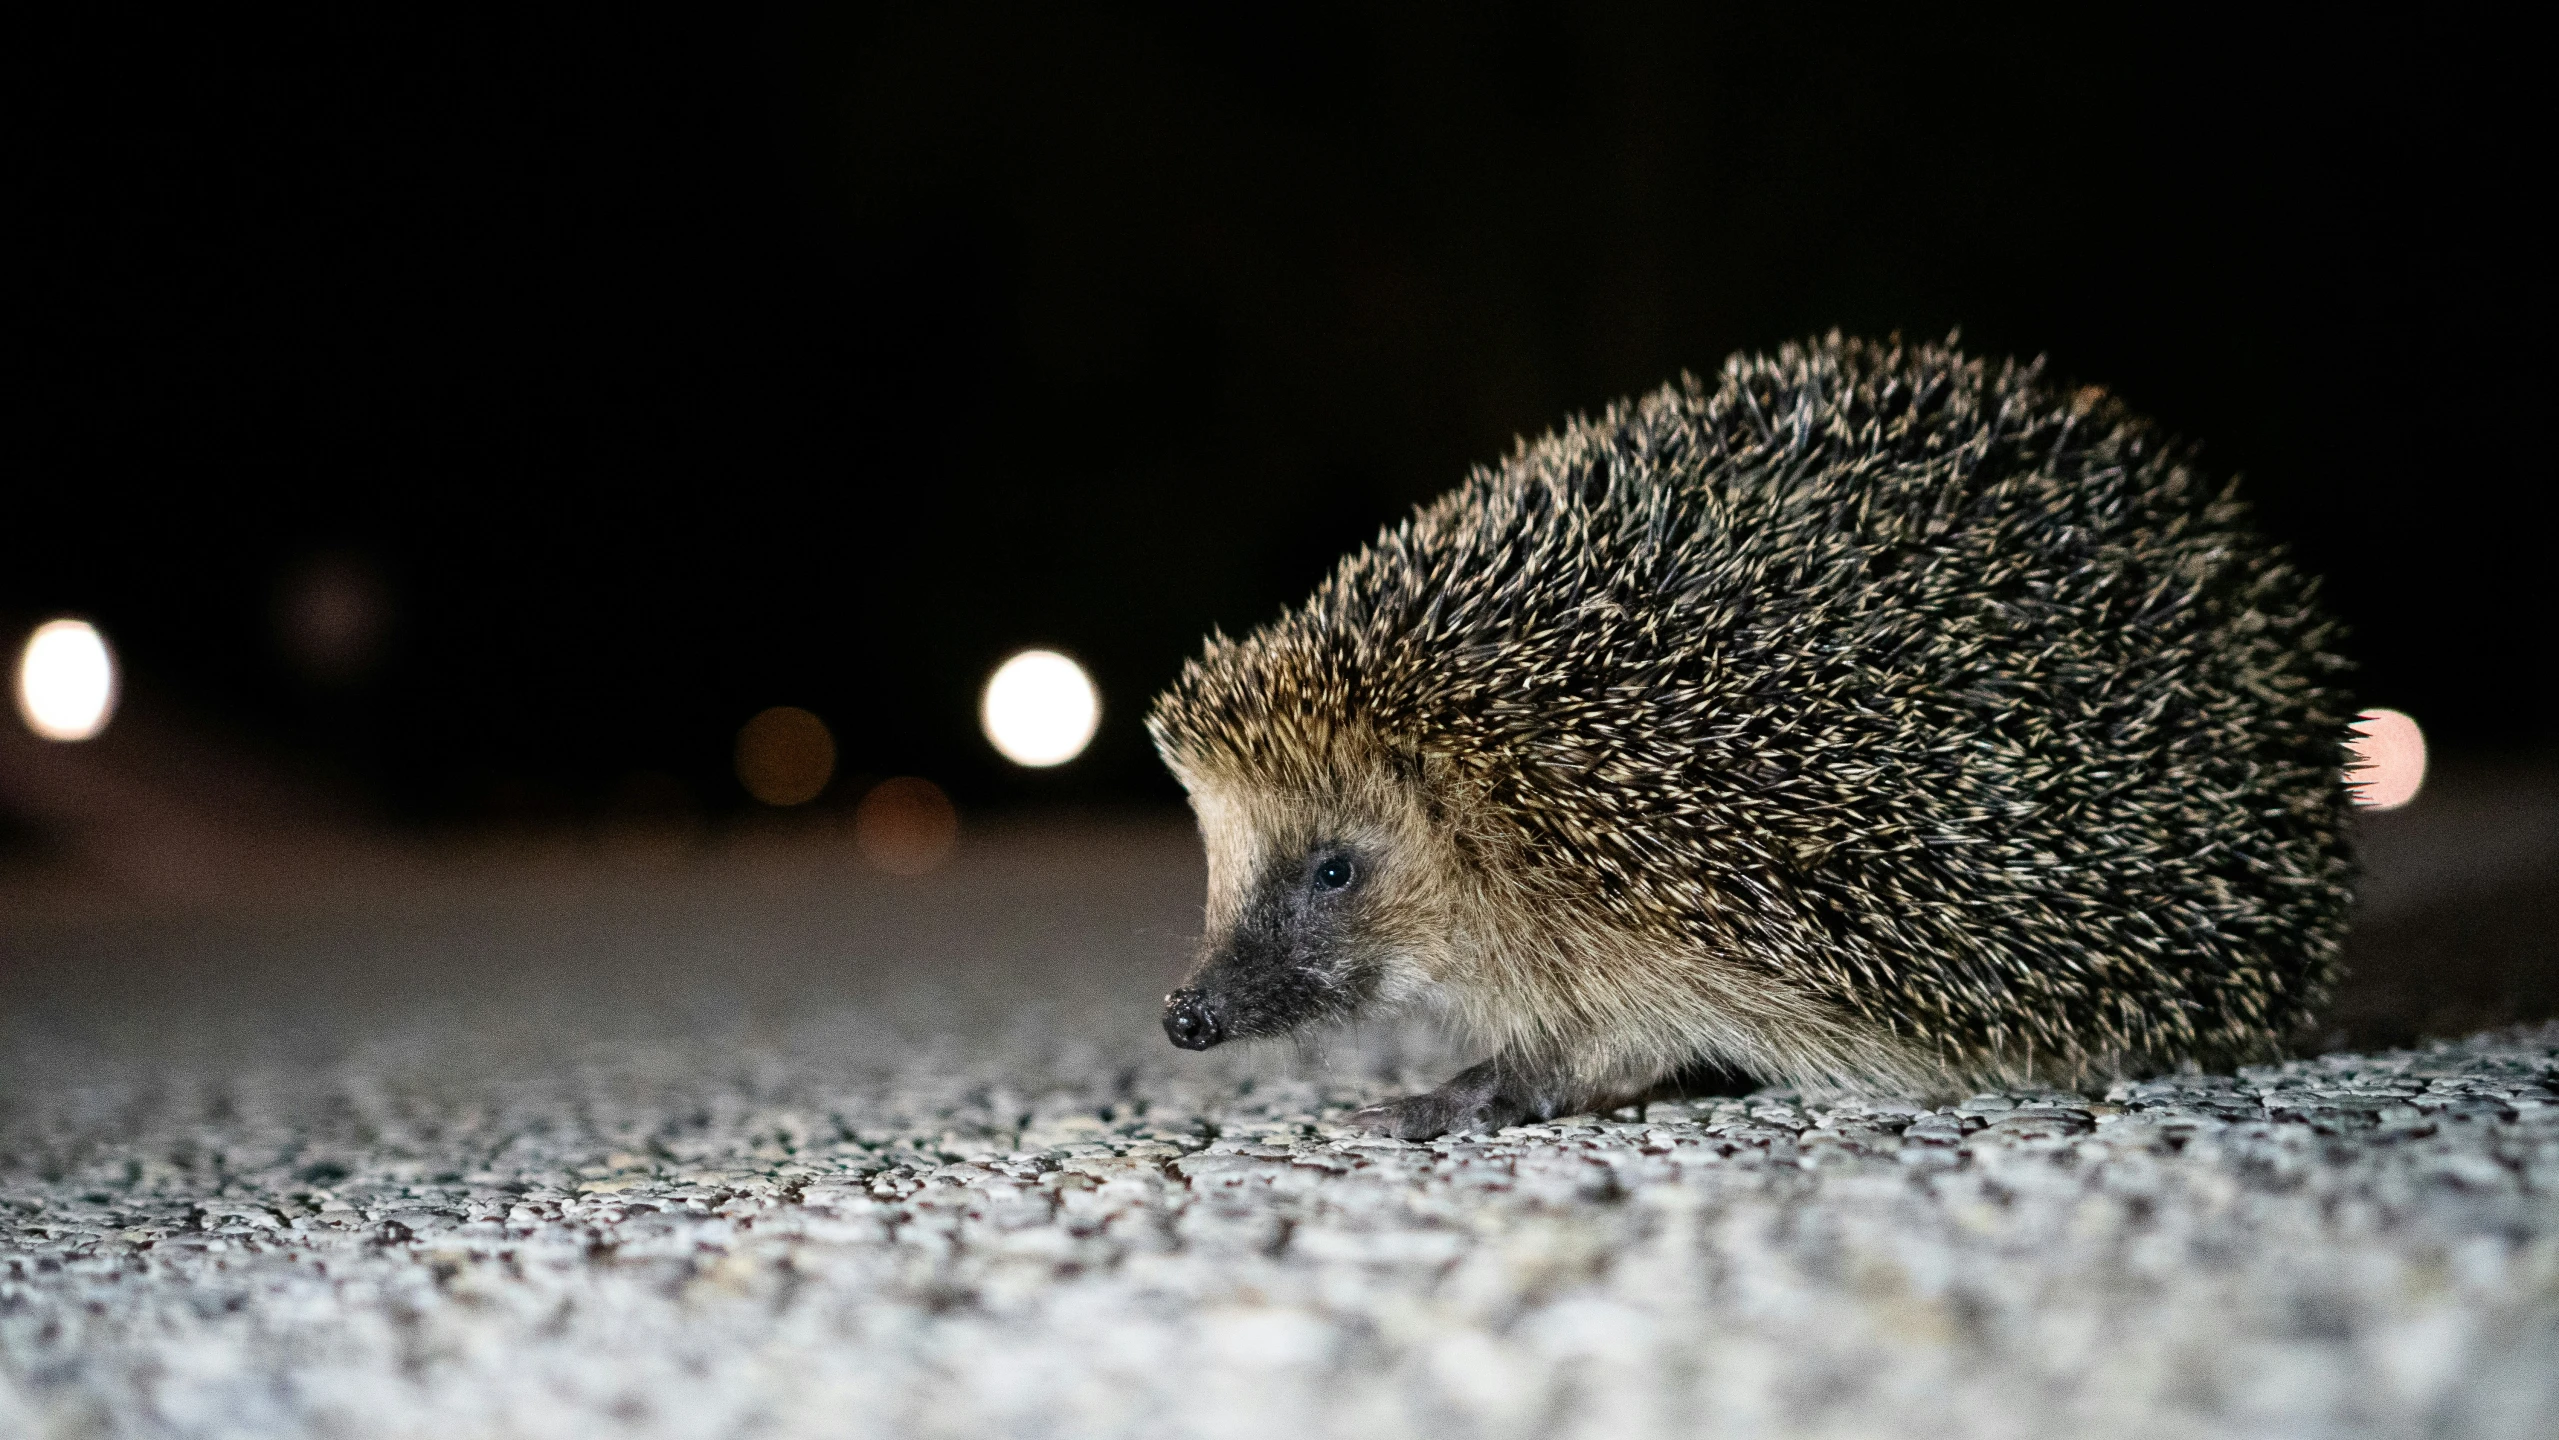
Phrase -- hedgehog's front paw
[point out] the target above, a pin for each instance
(1472, 1101)
(1427, 1117)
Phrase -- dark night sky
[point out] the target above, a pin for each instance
(660, 370)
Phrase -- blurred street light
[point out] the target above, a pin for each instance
(1040, 709)
(785, 756)
(331, 614)
(905, 826)
(66, 681)
(2389, 760)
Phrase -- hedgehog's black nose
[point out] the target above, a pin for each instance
(1188, 1021)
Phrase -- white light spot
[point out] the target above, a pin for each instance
(2389, 763)
(1040, 709)
(66, 681)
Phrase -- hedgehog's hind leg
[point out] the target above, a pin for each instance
(1479, 1097)
(1702, 1080)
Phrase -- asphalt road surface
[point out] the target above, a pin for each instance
(665, 1135)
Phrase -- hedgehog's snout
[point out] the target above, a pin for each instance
(1282, 960)
(1189, 1022)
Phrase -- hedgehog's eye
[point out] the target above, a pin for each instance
(1335, 872)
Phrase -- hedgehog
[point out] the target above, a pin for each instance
(1875, 717)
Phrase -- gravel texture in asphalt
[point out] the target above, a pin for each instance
(746, 1144)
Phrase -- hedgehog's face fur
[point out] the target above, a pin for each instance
(1324, 898)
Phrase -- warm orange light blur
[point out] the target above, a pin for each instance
(66, 681)
(785, 756)
(905, 826)
(2389, 764)
(331, 614)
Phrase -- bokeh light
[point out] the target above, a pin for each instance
(331, 614)
(905, 826)
(66, 681)
(2389, 765)
(1040, 709)
(785, 756)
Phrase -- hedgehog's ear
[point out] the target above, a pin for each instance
(1405, 755)
(1424, 770)
(1427, 774)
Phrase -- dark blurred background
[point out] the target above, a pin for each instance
(485, 417)
(463, 427)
